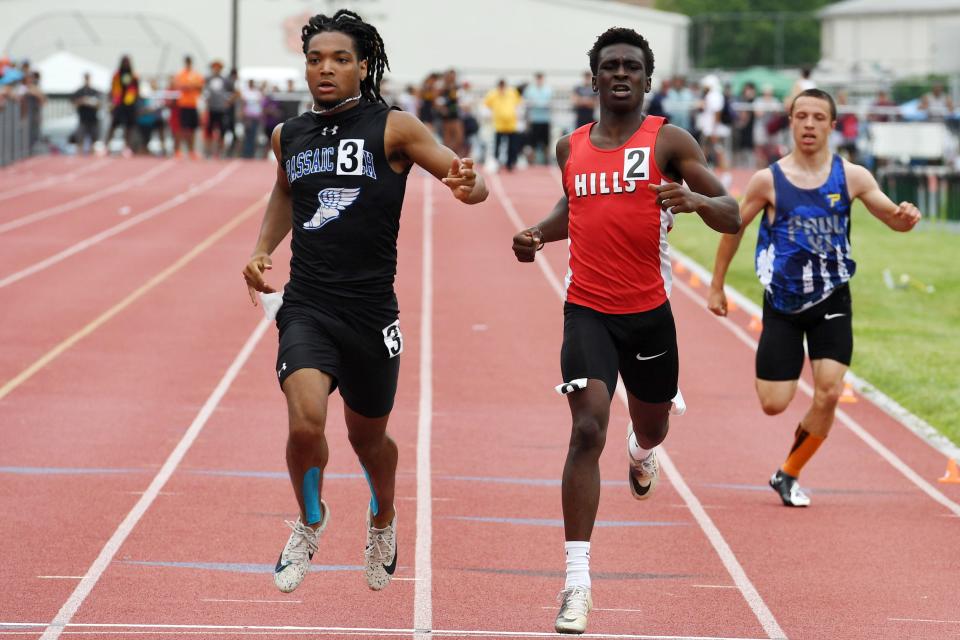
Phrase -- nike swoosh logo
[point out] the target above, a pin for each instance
(640, 489)
(831, 316)
(640, 357)
(390, 568)
(280, 567)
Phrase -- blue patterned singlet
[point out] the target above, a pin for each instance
(804, 254)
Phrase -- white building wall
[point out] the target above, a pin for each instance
(906, 44)
(484, 40)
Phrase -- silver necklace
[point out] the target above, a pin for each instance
(320, 112)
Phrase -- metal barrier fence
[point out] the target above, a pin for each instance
(14, 133)
(934, 189)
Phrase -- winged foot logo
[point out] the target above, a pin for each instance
(332, 202)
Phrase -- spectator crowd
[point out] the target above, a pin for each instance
(512, 124)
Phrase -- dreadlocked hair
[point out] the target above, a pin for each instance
(620, 35)
(366, 39)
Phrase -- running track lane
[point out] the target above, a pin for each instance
(52, 238)
(869, 529)
(206, 321)
(141, 178)
(751, 543)
(55, 301)
(56, 175)
(500, 444)
(226, 504)
(113, 401)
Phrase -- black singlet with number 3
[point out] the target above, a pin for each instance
(346, 208)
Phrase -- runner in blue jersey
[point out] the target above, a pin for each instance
(804, 262)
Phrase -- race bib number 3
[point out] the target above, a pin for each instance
(393, 339)
(350, 157)
(636, 163)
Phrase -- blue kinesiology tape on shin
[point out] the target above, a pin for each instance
(374, 505)
(311, 495)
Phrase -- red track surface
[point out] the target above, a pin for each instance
(88, 420)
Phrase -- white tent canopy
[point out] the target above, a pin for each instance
(63, 72)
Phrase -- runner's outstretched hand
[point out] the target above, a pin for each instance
(253, 274)
(906, 216)
(461, 178)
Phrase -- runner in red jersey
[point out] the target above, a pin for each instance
(622, 182)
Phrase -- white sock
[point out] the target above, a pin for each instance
(637, 452)
(578, 564)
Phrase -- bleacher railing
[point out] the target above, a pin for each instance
(14, 133)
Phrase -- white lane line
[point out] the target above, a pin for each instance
(423, 594)
(70, 607)
(750, 594)
(49, 212)
(842, 416)
(714, 586)
(920, 427)
(118, 228)
(924, 620)
(106, 628)
(56, 180)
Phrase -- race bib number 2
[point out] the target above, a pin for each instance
(393, 339)
(636, 163)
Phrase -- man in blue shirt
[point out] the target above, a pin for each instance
(804, 262)
(538, 97)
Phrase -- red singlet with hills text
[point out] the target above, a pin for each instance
(619, 256)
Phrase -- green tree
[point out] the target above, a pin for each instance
(733, 34)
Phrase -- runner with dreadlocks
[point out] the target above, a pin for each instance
(623, 182)
(341, 175)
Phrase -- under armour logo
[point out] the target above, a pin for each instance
(281, 369)
(330, 131)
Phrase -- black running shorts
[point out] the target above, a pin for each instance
(189, 118)
(215, 120)
(642, 347)
(359, 349)
(827, 325)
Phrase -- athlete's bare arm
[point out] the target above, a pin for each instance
(552, 228)
(861, 184)
(683, 158)
(407, 141)
(758, 197)
(277, 222)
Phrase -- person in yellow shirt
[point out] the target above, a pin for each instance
(190, 85)
(504, 102)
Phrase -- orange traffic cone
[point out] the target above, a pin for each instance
(952, 475)
(731, 306)
(679, 268)
(694, 281)
(756, 324)
(848, 395)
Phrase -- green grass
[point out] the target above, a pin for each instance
(906, 341)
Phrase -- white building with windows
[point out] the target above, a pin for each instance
(894, 38)
(482, 40)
